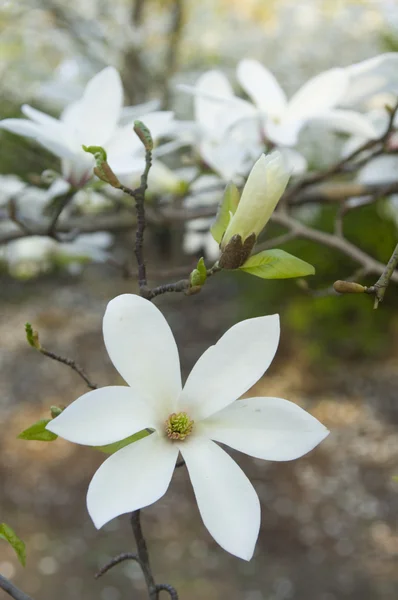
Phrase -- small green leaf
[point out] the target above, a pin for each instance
(38, 432)
(112, 448)
(202, 268)
(277, 264)
(32, 336)
(98, 152)
(9, 535)
(226, 210)
(199, 275)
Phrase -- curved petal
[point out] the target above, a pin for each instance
(230, 368)
(382, 169)
(227, 501)
(95, 116)
(207, 109)
(347, 121)
(103, 416)
(42, 134)
(22, 127)
(262, 87)
(141, 345)
(370, 77)
(319, 93)
(267, 428)
(132, 478)
(40, 117)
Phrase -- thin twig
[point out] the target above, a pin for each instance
(12, 590)
(61, 203)
(302, 231)
(116, 561)
(143, 555)
(168, 588)
(380, 287)
(70, 363)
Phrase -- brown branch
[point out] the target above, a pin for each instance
(143, 555)
(12, 590)
(302, 231)
(379, 144)
(380, 287)
(69, 363)
(116, 561)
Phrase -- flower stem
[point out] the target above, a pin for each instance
(143, 555)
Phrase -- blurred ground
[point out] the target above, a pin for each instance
(328, 520)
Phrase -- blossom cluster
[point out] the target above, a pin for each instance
(230, 131)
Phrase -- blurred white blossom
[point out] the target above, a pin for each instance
(91, 121)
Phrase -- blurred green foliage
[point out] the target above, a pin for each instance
(330, 328)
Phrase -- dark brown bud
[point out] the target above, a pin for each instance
(236, 252)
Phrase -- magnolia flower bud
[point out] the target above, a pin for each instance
(264, 187)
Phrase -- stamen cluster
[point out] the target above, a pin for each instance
(178, 426)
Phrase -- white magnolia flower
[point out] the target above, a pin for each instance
(91, 121)
(228, 138)
(263, 189)
(187, 419)
(282, 120)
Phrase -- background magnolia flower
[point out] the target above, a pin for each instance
(227, 139)
(188, 420)
(91, 121)
(316, 100)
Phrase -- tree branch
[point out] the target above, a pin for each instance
(380, 287)
(370, 264)
(12, 590)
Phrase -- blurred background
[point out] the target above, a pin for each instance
(329, 519)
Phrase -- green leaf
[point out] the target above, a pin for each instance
(98, 151)
(226, 210)
(112, 448)
(32, 336)
(9, 535)
(199, 275)
(277, 264)
(38, 431)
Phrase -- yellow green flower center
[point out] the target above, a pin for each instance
(178, 426)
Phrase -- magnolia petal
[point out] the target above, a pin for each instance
(227, 501)
(96, 115)
(382, 169)
(22, 127)
(41, 134)
(318, 94)
(142, 347)
(263, 189)
(132, 478)
(262, 87)
(103, 416)
(208, 109)
(231, 367)
(267, 428)
(347, 121)
(370, 77)
(38, 116)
